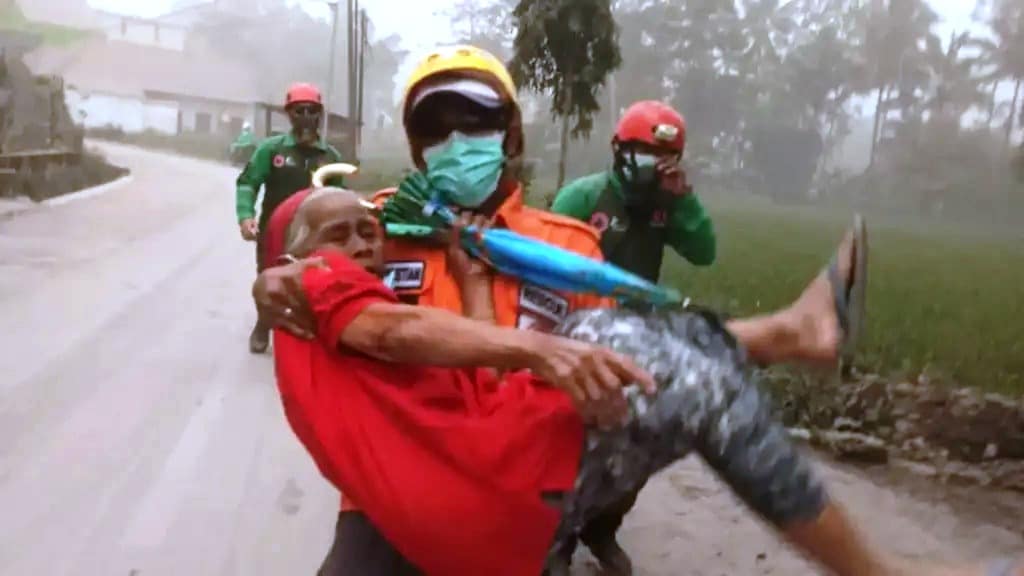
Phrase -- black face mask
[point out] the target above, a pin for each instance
(641, 186)
(305, 121)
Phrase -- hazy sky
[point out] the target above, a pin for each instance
(423, 24)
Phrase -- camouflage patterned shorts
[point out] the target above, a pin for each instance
(708, 401)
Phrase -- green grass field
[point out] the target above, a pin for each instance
(944, 302)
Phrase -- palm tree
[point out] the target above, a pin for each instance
(954, 88)
(697, 43)
(896, 36)
(1007, 25)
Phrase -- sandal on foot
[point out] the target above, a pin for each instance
(849, 295)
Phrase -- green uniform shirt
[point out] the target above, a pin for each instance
(245, 138)
(283, 167)
(637, 243)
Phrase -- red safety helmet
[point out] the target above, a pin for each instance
(302, 93)
(654, 123)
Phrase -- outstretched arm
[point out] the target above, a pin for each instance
(354, 311)
(420, 335)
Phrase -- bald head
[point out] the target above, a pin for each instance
(334, 218)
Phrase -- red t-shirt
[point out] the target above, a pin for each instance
(448, 464)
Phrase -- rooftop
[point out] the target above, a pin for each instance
(128, 69)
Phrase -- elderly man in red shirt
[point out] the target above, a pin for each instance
(422, 414)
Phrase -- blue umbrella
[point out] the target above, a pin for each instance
(552, 267)
(547, 265)
(417, 211)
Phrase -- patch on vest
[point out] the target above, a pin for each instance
(540, 309)
(278, 160)
(404, 275)
(599, 220)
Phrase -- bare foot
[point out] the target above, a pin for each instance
(818, 315)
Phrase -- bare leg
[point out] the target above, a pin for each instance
(835, 542)
(710, 403)
(808, 330)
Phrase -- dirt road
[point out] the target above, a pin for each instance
(139, 437)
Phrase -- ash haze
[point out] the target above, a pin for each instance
(424, 24)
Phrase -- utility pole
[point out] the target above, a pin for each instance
(352, 73)
(362, 74)
(333, 4)
(613, 105)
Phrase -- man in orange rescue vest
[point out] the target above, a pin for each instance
(463, 123)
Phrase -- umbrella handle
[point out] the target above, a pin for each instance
(334, 169)
(327, 171)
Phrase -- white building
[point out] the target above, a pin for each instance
(158, 33)
(137, 86)
(139, 74)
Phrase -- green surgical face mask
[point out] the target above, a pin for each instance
(465, 169)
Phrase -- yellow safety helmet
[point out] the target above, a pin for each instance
(460, 59)
(471, 62)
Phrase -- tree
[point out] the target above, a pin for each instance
(954, 86)
(566, 48)
(299, 51)
(815, 74)
(383, 58)
(895, 35)
(784, 157)
(1005, 54)
(645, 61)
(484, 23)
(679, 52)
(239, 29)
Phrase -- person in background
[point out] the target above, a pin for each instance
(640, 205)
(243, 146)
(282, 165)
(643, 202)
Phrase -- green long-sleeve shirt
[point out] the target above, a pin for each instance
(283, 167)
(245, 138)
(632, 243)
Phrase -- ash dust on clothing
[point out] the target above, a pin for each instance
(707, 401)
